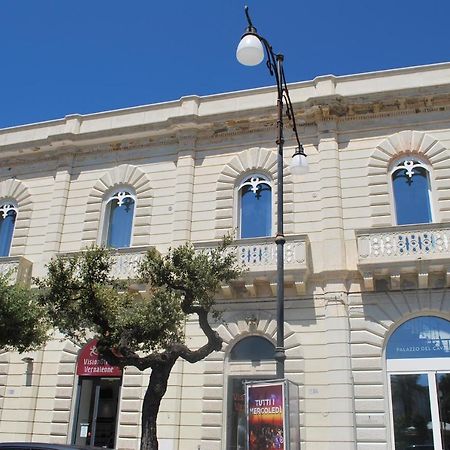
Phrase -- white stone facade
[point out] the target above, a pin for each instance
(347, 284)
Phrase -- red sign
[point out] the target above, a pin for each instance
(89, 363)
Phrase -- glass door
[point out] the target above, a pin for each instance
(421, 410)
(96, 417)
(443, 396)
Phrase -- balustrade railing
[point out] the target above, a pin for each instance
(431, 240)
(257, 254)
(126, 263)
(260, 253)
(16, 269)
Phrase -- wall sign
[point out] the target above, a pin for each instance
(89, 363)
(421, 337)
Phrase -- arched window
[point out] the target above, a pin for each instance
(412, 194)
(119, 216)
(418, 365)
(255, 207)
(8, 214)
(253, 348)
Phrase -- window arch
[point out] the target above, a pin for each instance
(255, 206)
(411, 189)
(118, 218)
(8, 215)
(418, 366)
(253, 348)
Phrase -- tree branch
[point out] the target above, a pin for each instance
(214, 340)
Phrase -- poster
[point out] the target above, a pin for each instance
(266, 416)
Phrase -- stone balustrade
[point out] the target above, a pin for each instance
(16, 269)
(126, 262)
(401, 250)
(404, 243)
(259, 256)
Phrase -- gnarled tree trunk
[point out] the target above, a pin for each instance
(157, 387)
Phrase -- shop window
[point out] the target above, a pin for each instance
(412, 194)
(255, 207)
(247, 353)
(418, 365)
(8, 214)
(119, 217)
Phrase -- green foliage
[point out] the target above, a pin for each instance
(83, 300)
(23, 322)
(196, 274)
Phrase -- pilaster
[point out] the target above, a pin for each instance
(340, 412)
(182, 216)
(57, 210)
(332, 227)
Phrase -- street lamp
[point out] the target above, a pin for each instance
(250, 52)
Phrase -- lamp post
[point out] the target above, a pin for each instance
(250, 52)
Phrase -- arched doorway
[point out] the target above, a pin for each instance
(418, 367)
(251, 358)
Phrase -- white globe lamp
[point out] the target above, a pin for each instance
(250, 51)
(299, 163)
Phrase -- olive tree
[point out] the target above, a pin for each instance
(143, 328)
(23, 321)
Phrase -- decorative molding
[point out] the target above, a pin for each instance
(187, 139)
(407, 143)
(255, 159)
(124, 174)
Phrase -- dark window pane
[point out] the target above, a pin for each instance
(412, 201)
(256, 211)
(120, 223)
(253, 348)
(236, 421)
(421, 337)
(443, 388)
(6, 231)
(236, 418)
(412, 412)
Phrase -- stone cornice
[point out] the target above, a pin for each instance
(221, 117)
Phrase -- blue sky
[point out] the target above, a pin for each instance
(61, 57)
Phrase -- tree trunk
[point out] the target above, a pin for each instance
(157, 387)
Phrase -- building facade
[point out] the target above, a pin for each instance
(367, 259)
